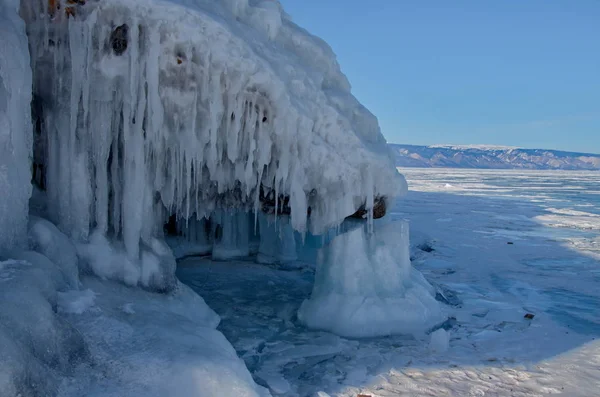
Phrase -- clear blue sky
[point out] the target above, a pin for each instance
(506, 72)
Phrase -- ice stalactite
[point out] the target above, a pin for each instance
(149, 111)
(15, 128)
(365, 286)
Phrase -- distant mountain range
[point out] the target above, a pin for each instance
(492, 157)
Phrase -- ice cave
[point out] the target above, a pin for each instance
(134, 133)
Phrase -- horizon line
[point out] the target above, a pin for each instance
(489, 146)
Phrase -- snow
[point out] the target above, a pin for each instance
(65, 342)
(475, 146)
(582, 220)
(128, 308)
(36, 345)
(53, 273)
(145, 111)
(365, 287)
(490, 157)
(208, 104)
(15, 128)
(110, 339)
(76, 302)
(46, 239)
(439, 341)
(154, 270)
(166, 346)
(208, 112)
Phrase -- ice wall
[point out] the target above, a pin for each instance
(277, 240)
(365, 286)
(152, 109)
(15, 127)
(232, 234)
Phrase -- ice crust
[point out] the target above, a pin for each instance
(209, 102)
(166, 345)
(36, 345)
(365, 286)
(54, 340)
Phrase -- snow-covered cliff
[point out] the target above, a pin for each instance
(152, 109)
(481, 156)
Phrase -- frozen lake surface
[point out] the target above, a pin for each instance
(498, 245)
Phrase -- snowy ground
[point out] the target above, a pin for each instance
(497, 244)
(146, 344)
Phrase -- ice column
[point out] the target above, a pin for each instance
(365, 286)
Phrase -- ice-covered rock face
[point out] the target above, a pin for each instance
(148, 109)
(15, 128)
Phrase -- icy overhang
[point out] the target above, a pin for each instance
(152, 108)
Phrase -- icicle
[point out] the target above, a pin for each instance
(370, 199)
(134, 175)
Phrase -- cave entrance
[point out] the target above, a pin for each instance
(241, 235)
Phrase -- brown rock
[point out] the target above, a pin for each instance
(52, 7)
(379, 210)
(119, 39)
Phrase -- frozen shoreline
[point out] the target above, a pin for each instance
(489, 286)
(490, 257)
